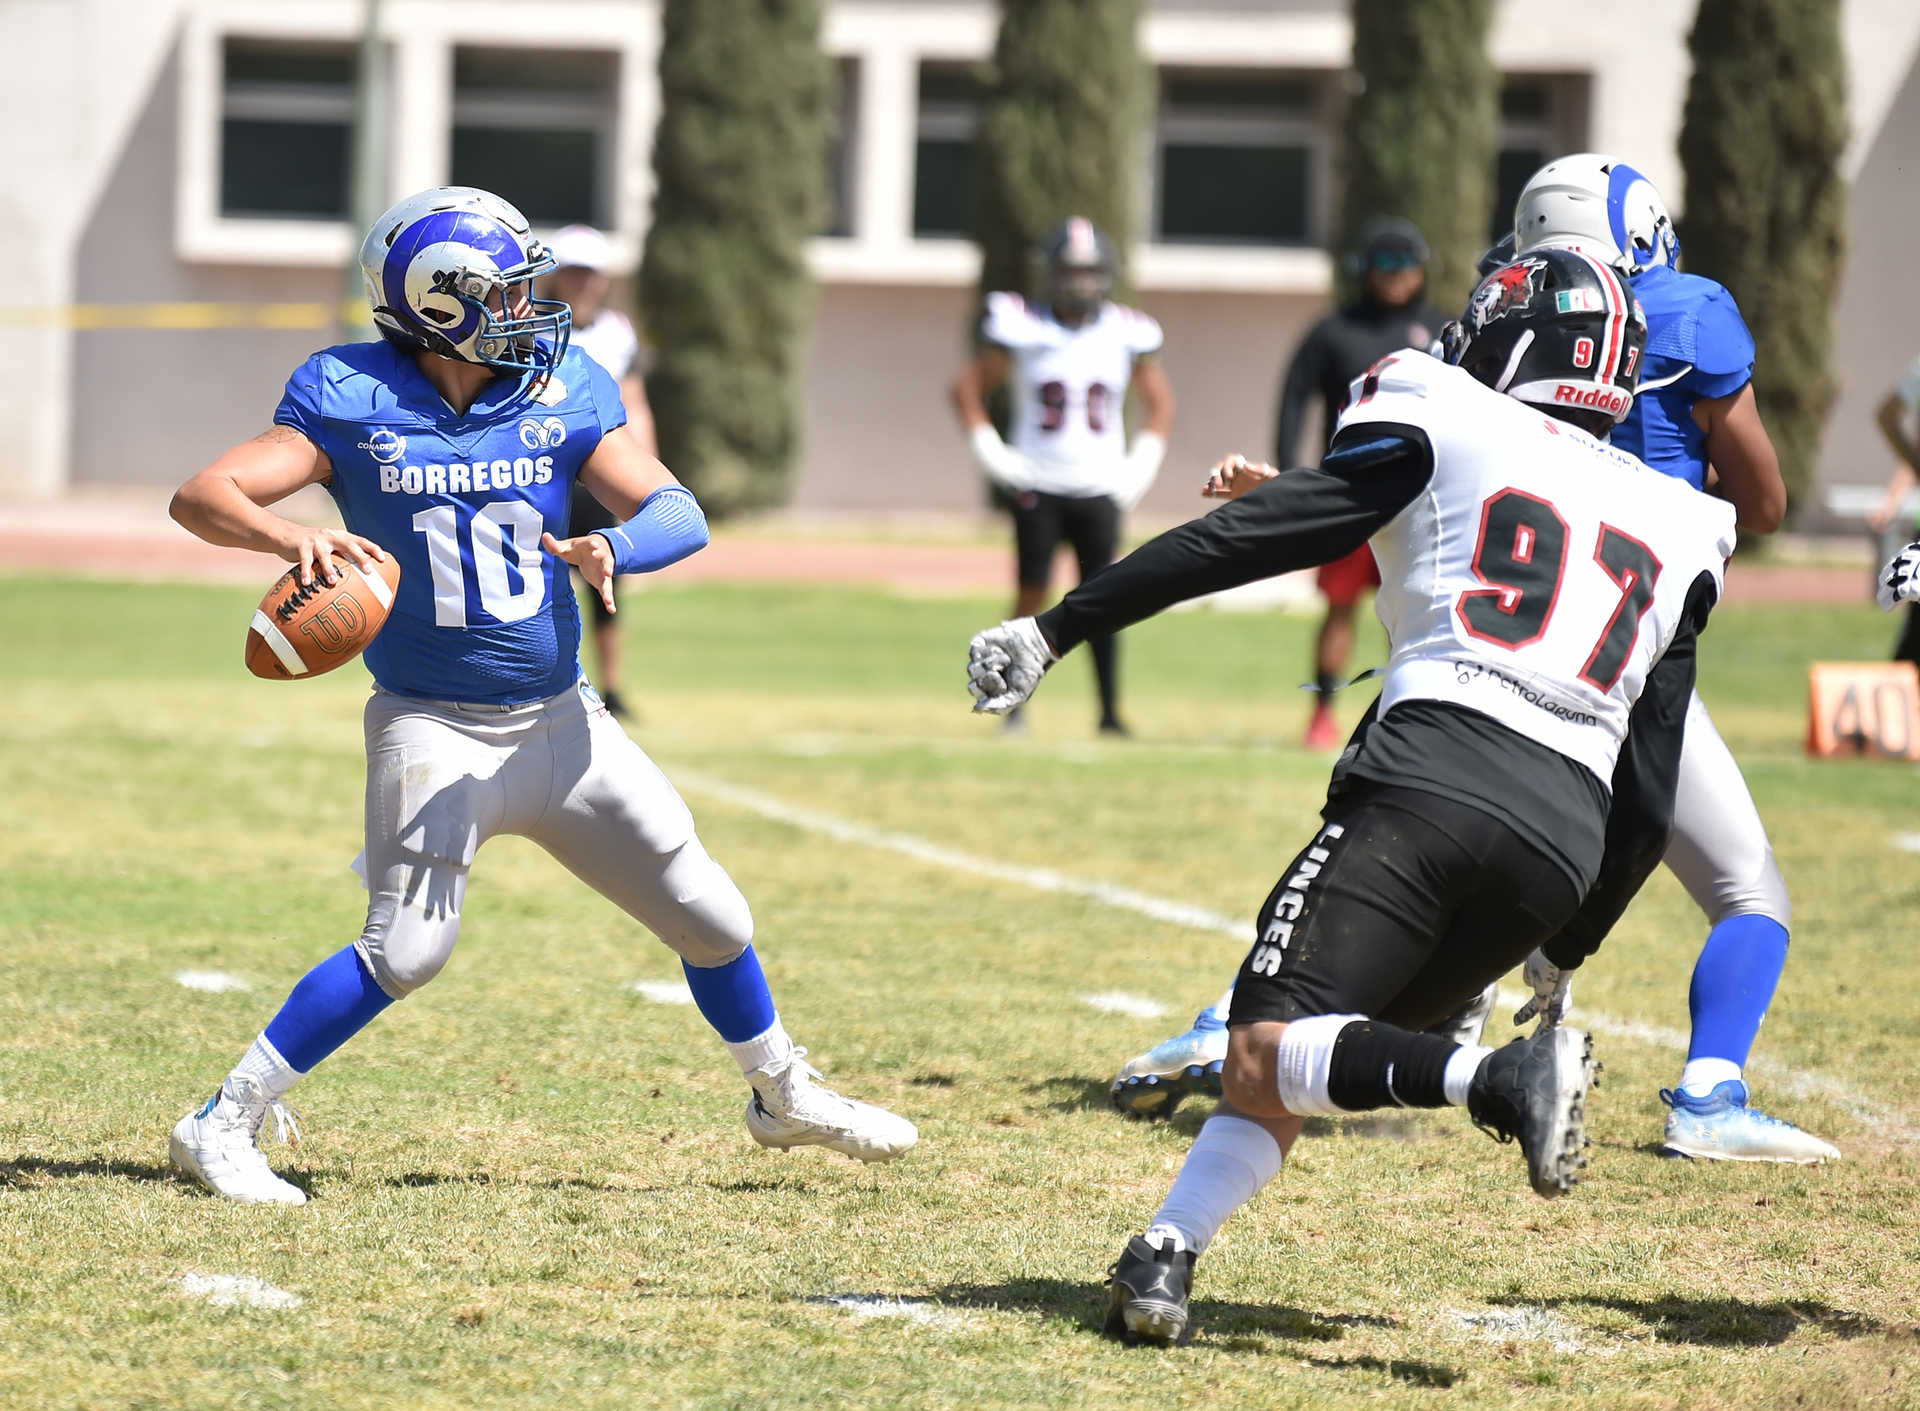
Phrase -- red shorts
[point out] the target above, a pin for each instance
(1344, 580)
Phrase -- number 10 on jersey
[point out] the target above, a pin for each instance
(507, 566)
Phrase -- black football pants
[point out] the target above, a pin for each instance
(1403, 907)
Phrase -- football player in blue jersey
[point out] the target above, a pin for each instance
(455, 444)
(1693, 418)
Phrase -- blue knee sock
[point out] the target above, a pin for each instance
(733, 997)
(335, 1001)
(1733, 983)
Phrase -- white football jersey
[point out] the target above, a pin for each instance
(1069, 386)
(610, 341)
(1541, 573)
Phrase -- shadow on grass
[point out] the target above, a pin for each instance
(1401, 1369)
(1085, 1305)
(25, 1172)
(430, 1179)
(1721, 1322)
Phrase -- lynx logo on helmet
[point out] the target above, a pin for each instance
(543, 435)
(1505, 290)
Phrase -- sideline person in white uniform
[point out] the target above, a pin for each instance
(1068, 472)
(581, 281)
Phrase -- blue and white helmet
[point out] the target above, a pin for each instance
(431, 264)
(1599, 206)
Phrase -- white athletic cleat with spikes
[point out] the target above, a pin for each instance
(792, 1107)
(219, 1145)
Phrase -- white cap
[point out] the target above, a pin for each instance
(582, 246)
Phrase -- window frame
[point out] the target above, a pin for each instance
(421, 42)
(1268, 129)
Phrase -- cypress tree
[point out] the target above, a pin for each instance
(1766, 120)
(740, 167)
(1421, 129)
(1062, 133)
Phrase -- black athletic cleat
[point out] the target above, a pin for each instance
(1536, 1090)
(1150, 1288)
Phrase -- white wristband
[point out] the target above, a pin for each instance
(1141, 468)
(1003, 465)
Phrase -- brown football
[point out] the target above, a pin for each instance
(299, 632)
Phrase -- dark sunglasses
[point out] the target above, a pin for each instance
(1392, 261)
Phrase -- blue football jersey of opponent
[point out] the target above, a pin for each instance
(483, 615)
(1697, 346)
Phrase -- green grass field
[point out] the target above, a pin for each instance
(532, 1186)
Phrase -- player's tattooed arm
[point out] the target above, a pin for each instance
(227, 504)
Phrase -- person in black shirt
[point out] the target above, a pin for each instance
(1392, 313)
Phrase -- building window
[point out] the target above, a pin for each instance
(843, 157)
(536, 126)
(286, 129)
(1240, 159)
(1542, 116)
(951, 96)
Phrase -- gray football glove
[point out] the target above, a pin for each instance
(1900, 579)
(1005, 664)
(1552, 993)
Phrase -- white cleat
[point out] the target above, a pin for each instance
(792, 1107)
(1721, 1127)
(219, 1146)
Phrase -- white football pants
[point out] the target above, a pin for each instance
(1720, 850)
(443, 777)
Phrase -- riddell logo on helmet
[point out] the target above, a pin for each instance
(1607, 399)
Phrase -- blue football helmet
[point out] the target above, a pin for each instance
(433, 261)
(1600, 206)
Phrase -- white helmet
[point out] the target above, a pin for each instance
(430, 264)
(1599, 206)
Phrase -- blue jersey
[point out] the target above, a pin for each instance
(483, 614)
(1697, 346)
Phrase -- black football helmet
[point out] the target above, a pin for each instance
(1081, 265)
(1496, 254)
(1557, 329)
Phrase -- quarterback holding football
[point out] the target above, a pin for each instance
(454, 445)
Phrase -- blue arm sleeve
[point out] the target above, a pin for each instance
(668, 527)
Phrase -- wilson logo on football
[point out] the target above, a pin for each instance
(543, 435)
(336, 626)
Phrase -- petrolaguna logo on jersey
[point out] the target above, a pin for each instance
(543, 435)
(1503, 291)
(385, 446)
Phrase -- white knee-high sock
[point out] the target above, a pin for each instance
(271, 1073)
(762, 1050)
(1231, 1160)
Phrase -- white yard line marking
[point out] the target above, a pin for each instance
(1797, 1082)
(1906, 842)
(664, 991)
(1119, 1002)
(230, 1290)
(1534, 1324)
(1039, 878)
(880, 1305)
(214, 982)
